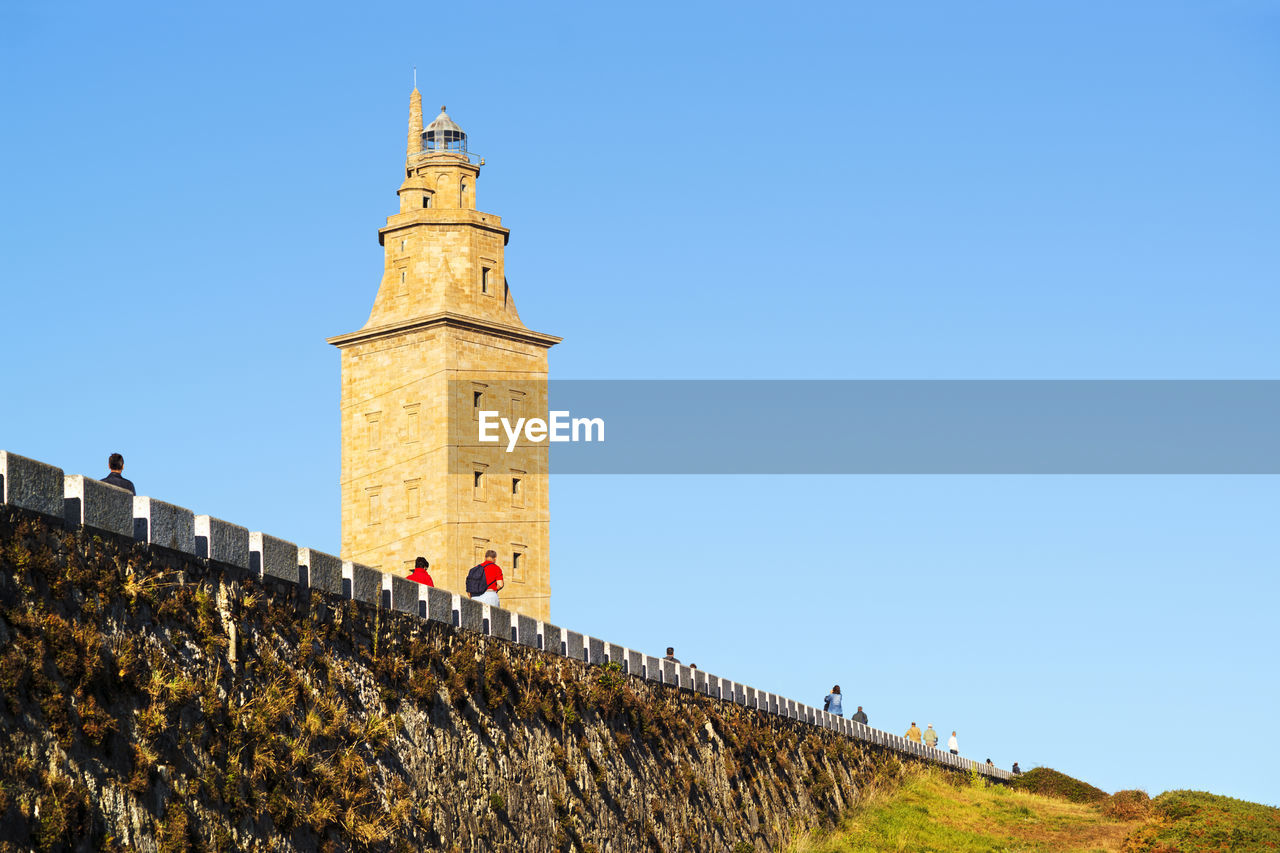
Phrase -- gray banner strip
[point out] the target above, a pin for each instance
(921, 427)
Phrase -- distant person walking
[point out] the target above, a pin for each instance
(953, 744)
(671, 654)
(913, 733)
(115, 464)
(1017, 771)
(930, 737)
(487, 579)
(832, 703)
(859, 716)
(420, 573)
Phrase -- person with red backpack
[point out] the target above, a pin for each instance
(484, 580)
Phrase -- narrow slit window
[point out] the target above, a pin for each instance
(484, 279)
(426, 202)
(517, 488)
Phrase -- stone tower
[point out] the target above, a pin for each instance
(443, 343)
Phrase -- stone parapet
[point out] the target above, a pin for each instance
(270, 557)
(361, 583)
(553, 639)
(573, 645)
(222, 542)
(322, 571)
(31, 485)
(527, 631)
(399, 594)
(439, 604)
(158, 523)
(92, 503)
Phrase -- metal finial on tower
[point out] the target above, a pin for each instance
(415, 76)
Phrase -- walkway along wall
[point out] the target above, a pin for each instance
(261, 690)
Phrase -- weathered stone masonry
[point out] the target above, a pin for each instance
(43, 488)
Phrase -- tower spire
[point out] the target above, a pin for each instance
(415, 119)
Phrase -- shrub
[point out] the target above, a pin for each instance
(1127, 805)
(1050, 783)
(1193, 821)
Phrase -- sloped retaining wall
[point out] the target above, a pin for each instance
(42, 488)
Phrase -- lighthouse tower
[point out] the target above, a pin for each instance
(443, 343)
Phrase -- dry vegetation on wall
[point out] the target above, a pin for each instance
(153, 703)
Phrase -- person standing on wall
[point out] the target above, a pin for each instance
(930, 737)
(913, 733)
(671, 654)
(859, 716)
(832, 703)
(953, 744)
(484, 580)
(115, 464)
(420, 573)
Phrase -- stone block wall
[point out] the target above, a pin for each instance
(80, 501)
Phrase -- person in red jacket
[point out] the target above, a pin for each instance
(419, 572)
(492, 579)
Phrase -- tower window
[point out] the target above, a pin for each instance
(517, 488)
(477, 484)
(484, 279)
(477, 397)
(426, 202)
(411, 423)
(517, 566)
(403, 243)
(462, 194)
(412, 498)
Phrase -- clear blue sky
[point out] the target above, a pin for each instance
(893, 190)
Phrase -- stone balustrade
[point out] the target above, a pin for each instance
(84, 502)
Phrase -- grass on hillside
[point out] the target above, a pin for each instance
(1050, 811)
(1196, 822)
(930, 813)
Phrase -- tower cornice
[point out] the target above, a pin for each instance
(445, 319)
(444, 216)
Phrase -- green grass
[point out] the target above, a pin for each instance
(1193, 821)
(931, 814)
(1050, 783)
